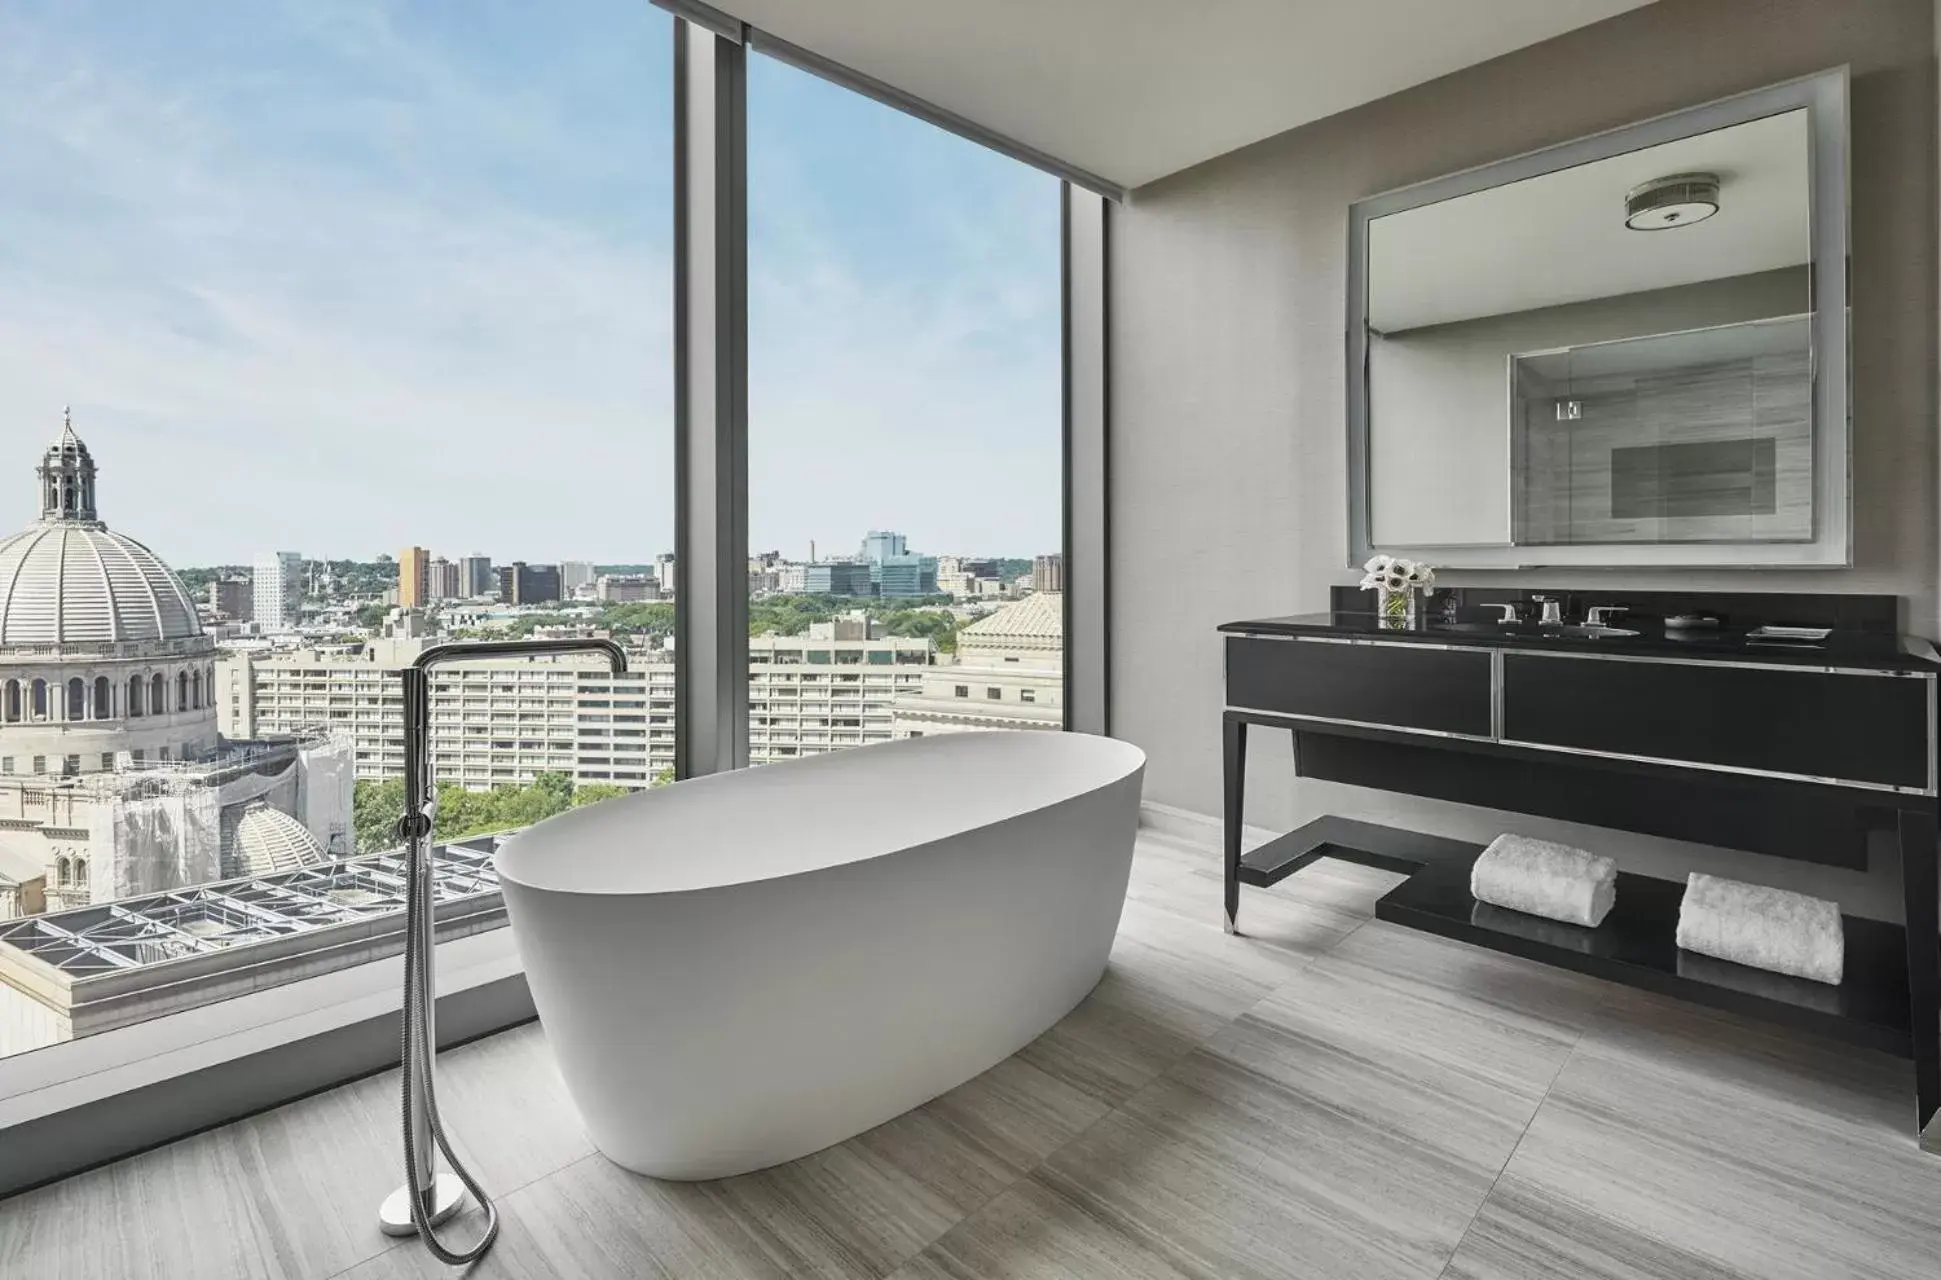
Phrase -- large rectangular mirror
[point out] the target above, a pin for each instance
(1625, 350)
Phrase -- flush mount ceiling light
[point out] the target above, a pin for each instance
(1675, 201)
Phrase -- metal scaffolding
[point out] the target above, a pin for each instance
(152, 928)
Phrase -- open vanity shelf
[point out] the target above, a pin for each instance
(1634, 946)
(1823, 753)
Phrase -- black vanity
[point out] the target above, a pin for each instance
(1817, 751)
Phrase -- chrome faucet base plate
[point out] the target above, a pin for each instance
(447, 1198)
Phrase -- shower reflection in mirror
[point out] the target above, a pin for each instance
(1611, 353)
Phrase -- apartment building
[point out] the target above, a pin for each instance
(441, 578)
(626, 588)
(504, 722)
(276, 588)
(414, 578)
(496, 723)
(830, 689)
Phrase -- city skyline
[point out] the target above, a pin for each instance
(436, 551)
(392, 270)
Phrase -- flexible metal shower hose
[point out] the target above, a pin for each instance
(418, 1054)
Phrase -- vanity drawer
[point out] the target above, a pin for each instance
(1869, 729)
(1398, 684)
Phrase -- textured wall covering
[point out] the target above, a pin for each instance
(1228, 409)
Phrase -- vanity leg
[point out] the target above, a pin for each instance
(1920, 883)
(1234, 775)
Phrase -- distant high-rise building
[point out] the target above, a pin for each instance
(664, 570)
(276, 590)
(960, 575)
(233, 598)
(522, 583)
(1048, 573)
(414, 564)
(836, 578)
(626, 588)
(879, 545)
(905, 575)
(475, 577)
(574, 574)
(441, 579)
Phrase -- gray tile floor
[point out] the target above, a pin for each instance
(1327, 1097)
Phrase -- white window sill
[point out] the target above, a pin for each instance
(44, 1083)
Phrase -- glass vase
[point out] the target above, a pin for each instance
(1396, 608)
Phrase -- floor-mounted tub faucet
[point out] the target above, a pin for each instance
(429, 1197)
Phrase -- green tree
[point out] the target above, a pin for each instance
(936, 624)
(595, 792)
(649, 618)
(375, 810)
(462, 813)
(371, 616)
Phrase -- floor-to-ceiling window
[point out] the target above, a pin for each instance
(904, 426)
(327, 332)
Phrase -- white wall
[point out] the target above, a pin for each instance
(1227, 381)
(1438, 441)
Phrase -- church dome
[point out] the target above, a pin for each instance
(263, 840)
(70, 580)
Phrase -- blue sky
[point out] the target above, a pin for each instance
(341, 275)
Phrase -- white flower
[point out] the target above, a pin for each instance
(1396, 581)
(1369, 582)
(1422, 575)
(1378, 565)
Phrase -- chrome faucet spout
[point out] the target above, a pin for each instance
(429, 1197)
(463, 650)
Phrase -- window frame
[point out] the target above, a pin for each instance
(72, 1105)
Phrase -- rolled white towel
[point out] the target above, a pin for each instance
(1544, 879)
(1767, 928)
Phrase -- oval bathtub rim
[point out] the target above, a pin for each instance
(1136, 770)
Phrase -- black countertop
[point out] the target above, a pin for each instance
(1863, 649)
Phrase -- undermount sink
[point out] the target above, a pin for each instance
(1591, 631)
(1526, 630)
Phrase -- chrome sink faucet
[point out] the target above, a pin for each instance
(429, 1197)
(1553, 611)
(1601, 615)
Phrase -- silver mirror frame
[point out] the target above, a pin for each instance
(1824, 96)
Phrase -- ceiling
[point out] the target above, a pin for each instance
(1561, 237)
(1133, 90)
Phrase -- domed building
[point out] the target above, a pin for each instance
(113, 777)
(101, 653)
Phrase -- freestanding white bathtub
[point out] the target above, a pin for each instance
(745, 968)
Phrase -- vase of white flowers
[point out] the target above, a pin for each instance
(1396, 582)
